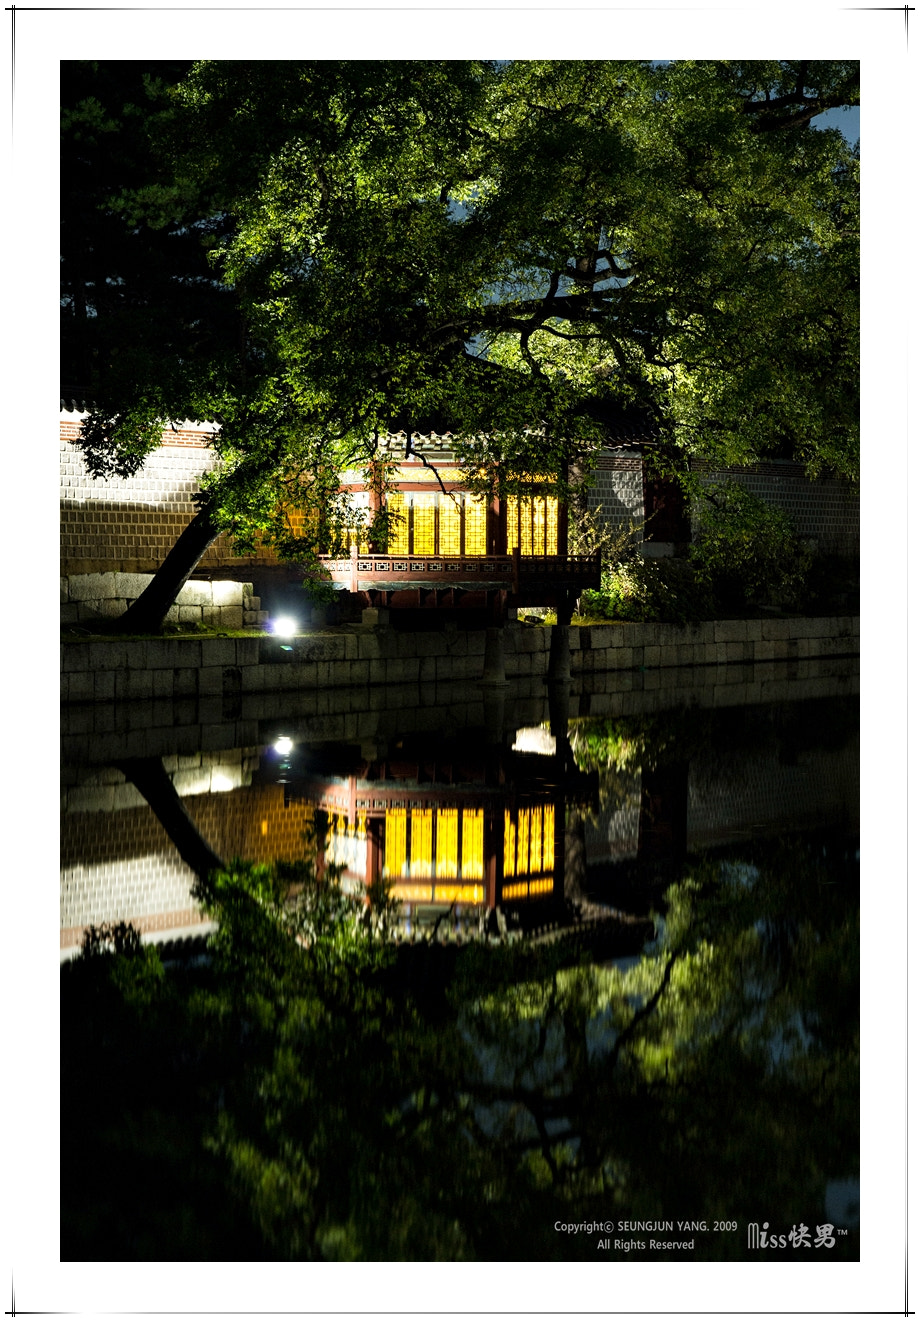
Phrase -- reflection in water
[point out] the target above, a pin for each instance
(426, 1099)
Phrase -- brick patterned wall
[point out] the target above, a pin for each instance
(738, 799)
(617, 490)
(130, 524)
(826, 510)
(122, 865)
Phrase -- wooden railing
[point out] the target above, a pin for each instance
(360, 573)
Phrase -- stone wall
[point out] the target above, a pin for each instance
(825, 511)
(129, 524)
(617, 492)
(147, 669)
(117, 862)
(218, 605)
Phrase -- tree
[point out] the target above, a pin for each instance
(516, 252)
(299, 1085)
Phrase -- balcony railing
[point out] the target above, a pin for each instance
(513, 573)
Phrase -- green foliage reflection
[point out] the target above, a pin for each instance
(329, 1104)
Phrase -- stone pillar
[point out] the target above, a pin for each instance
(375, 617)
(493, 671)
(560, 664)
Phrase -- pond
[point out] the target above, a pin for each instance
(614, 1015)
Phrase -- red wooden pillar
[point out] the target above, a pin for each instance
(496, 527)
(373, 868)
(493, 846)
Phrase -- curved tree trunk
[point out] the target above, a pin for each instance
(147, 614)
(149, 776)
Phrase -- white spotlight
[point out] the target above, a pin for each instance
(284, 744)
(285, 626)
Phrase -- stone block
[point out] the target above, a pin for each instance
(91, 587)
(81, 686)
(163, 683)
(91, 798)
(231, 617)
(734, 651)
(185, 682)
(226, 776)
(112, 655)
(126, 796)
(360, 672)
(195, 594)
(218, 651)
(369, 647)
(70, 613)
(137, 685)
(104, 686)
(210, 617)
(210, 678)
(131, 585)
(375, 617)
(773, 630)
(193, 781)
(247, 653)
(651, 655)
(189, 614)
(731, 631)
(377, 671)
(402, 671)
(225, 594)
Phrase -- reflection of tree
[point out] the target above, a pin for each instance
(152, 780)
(715, 1077)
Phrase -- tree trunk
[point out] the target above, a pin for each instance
(149, 776)
(147, 614)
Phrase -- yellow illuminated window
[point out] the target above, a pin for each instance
(420, 857)
(475, 540)
(399, 526)
(448, 831)
(533, 524)
(448, 526)
(394, 856)
(471, 864)
(541, 885)
(509, 845)
(523, 843)
(409, 890)
(549, 830)
(458, 894)
(423, 508)
(536, 839)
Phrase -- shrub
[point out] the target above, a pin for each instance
(748, 552)
(665, 590)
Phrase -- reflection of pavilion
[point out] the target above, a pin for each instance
(483, 828)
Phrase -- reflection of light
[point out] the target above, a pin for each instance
(285, 626)
(534, 739)
(220, 781)
(283, 744)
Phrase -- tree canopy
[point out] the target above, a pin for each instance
(317, 251)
